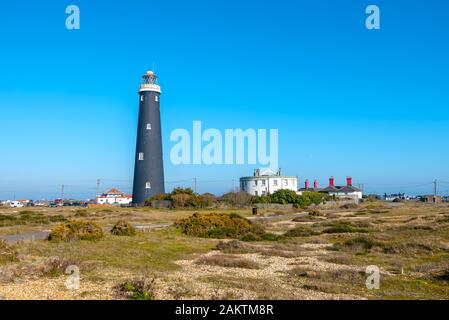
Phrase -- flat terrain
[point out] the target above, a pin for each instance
(325, 255)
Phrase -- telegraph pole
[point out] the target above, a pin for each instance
(234, 192)
(435, 187)
(62, 195)
(98, 188)
(195, 182)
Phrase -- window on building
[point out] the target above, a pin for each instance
(148, 185)
(285, 183)
(141, 98)
(264, 182)
(256, 193)
(275, 182)
(148, 126)
(141, 156)
(256, 183)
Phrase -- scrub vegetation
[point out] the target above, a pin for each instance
(213, 253)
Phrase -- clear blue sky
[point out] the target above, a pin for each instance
(346, 100)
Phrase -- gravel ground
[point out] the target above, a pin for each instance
(274, 270)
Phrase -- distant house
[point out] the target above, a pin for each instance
(114, 196)
(394, 197)
(347, 191)
(342, 192)
(265, 182)
(432, 199)
(18, 203)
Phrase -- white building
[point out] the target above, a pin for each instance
(267, 182)
(17, 204)
(116, 197)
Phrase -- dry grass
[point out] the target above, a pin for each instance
(409, 243)
(228, 261)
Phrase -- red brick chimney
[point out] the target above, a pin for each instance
(315, 184)
(349, 181)
(307, 184)
(331, 182)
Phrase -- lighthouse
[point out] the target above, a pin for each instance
(149, 166)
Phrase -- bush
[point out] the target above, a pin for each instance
(301, 232)
(76, 230)
(315, 198)
(141, 289)
(262, 199)
(228, 261)
(27, 217)
(231, 246)
(123, 228)
(184, 197)
(345, 227)
(360, 244)
(284, 197)
(220, 226)
(315, 213)
(240, 198)
(348, 206)
(7, 254)
(81, 213)
(290, 197)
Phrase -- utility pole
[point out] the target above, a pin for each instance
(195, 181)
(62, 195)
(98, 189)
(234, 192)
(435, 187)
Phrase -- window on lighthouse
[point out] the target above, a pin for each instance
(141, 98)
(141, 156)
(156, 99)
(148, 126)
(148, 185)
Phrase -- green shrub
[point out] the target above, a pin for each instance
(284, 196)
(315, 213)
(141, 289)
(76, 230)
(220, 226)
(270, 237)
(28, 217)
(301, 232)
(227, 261)
(250, 236)
(345, 227)
(315, 198)
(231, 246)
(123, 228)
(81, 213)
(359, 244)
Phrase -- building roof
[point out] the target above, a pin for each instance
(114, 191)
(266, 177)
(345, 189)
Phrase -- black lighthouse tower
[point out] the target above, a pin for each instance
(149, 166)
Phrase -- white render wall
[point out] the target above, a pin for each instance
(357, 195)
(114, 200)
(258, 186)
